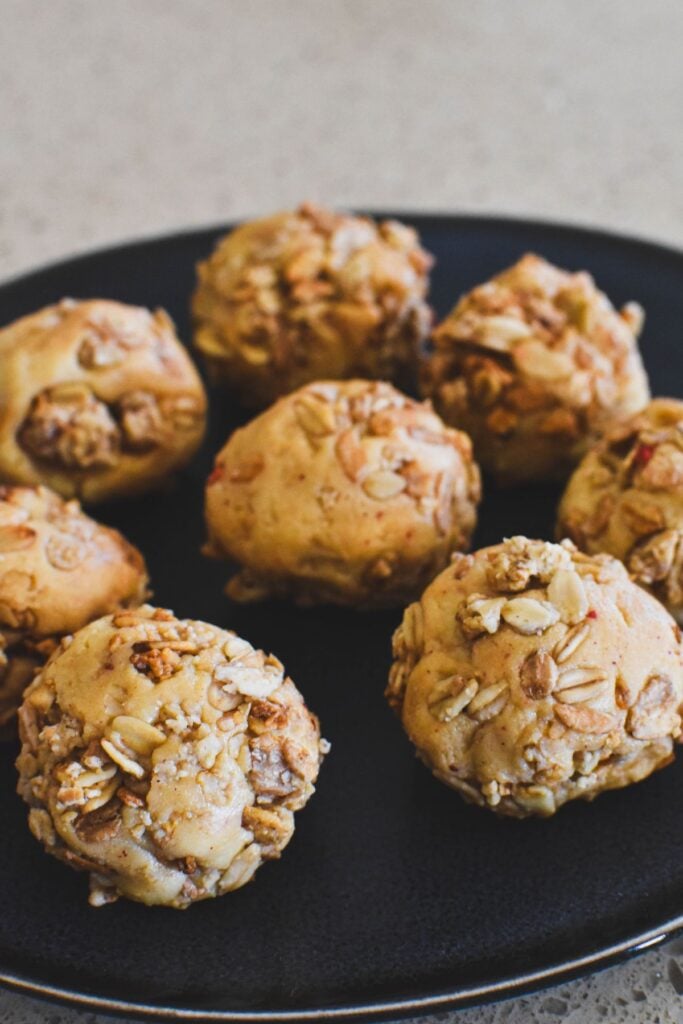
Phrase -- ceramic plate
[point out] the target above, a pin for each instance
(394, 897)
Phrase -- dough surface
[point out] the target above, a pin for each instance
(166, 757)
(534, 365)
(529, 674)
(344, 492)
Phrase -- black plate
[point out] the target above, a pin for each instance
(394, 896)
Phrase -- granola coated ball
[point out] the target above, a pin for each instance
(164, 756)
(534, 364)
(310, 294)
(59, 569)
(529, 674)
(344, 492)
(626, 498)
(97, 399)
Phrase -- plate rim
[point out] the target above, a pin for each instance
(473, 995)
(667, 249)
(506, 987)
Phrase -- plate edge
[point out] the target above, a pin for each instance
(507, 988)
(485, 218)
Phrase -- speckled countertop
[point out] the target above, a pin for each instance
(136, 117)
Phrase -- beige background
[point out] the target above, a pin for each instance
(133, 117)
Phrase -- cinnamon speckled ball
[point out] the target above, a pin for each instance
(344, 492)
(534, 365)
(529, 674)
(310, 294)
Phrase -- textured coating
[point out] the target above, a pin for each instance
(97, 399)
(164, 757)
(392, 887)
(529, 674)
(307, 295)
(534, 364)
(626, 497)
(59, 569)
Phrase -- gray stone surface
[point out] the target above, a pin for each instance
(135, 117)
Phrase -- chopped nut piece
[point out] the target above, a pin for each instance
(272, 828)
(383, 484)
(481, 614)
(567, 593)
(142, 422)
(128, 798)
(651, 560)
(70, 429)
(518, 562)
(156, 662)
(270, 775)
(536, 360)
(536, 800)
(268, 715)
(539, 675)
(655, 712)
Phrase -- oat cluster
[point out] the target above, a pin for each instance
(534, 364)
(59, 569)
(97, 400)
(311, 294)
(344, 491)
(165, 757)
(626, 497)
(529, 674)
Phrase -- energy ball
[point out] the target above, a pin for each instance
(534, 365)
(529, 674)
(626, 498)
(59, 569)
(97, 400)
(164, 756)
(344, 492)
(305, 295)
